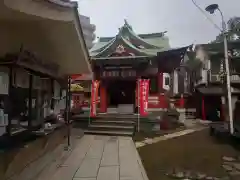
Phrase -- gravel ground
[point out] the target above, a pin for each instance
(197, 153)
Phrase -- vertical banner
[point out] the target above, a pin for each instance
(144, 91)
(94, 98)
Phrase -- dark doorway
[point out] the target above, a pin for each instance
(212, 107)
(121, 92)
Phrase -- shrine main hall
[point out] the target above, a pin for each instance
(119, 61)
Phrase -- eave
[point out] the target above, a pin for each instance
(50, 30)
(127, 60)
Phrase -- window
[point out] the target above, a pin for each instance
(167, 81)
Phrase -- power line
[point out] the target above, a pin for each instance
(208, 18)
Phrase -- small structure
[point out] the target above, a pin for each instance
(42, 44)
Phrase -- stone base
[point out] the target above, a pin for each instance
(182, 117)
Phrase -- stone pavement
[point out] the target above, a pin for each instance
(101, 158)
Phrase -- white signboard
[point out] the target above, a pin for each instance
(166, 81)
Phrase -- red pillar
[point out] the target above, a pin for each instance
(103, 98)
(203, 109)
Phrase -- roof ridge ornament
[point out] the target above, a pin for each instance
(126, 24)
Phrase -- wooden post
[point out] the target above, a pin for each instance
(52, 94)
(10, 87)
(203, 109)
(67, 110)
(136, 98)
(161, 98)
(30, 88)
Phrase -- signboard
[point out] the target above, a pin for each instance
(94, 97)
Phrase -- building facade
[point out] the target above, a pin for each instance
(210, 79)
(88, 30)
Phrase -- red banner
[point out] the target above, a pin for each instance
(144, 91)
(94, 98)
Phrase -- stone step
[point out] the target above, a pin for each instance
(105, 126)
(190, 117)
(114, 122)
(117, 116)
(109, 133)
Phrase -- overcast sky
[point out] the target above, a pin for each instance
(183, 21)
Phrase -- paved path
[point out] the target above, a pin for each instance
(102, 158)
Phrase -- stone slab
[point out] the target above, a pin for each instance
(96, 149)
(110, 154)
(64, 173)
(130, 163)
(102, 158)
(89, 168)
(108, 173)
(128, 178)
(84, 178)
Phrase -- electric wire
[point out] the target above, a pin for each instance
(208, 18)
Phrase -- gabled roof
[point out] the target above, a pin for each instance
(130, 43)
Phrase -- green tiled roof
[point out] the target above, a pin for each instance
(141, 45)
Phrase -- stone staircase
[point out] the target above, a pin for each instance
(113, 124)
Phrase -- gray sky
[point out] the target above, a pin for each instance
(183, 21)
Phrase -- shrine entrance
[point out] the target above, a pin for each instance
(121, 95)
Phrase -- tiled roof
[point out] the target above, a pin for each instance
(142, 45)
